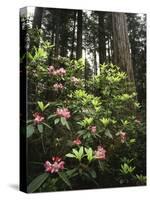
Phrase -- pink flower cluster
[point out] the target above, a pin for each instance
(92, 129)
(138, 121)
(58, 86)
(74, 80)
(123, 136)
(100, 154)
(63, 112)
(56, 72)
(38, 118)
(77, 141)
(57, 165)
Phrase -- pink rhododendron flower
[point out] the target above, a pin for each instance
(77, 141)
(56, 72)
(123, 136)
(38, 118)
(57, 165)
(100, 153)
(92, 129)
(58, 86)
(61, 71)
(138, 121)
(75, 80)
(51, 69)
(63, 112)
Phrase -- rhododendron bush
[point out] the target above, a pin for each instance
(82, 133)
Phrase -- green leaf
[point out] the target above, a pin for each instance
(30, 130)
(51, 116)
(75, 152)
(108, 134)
(82, 132)
(63, 176)
(132, 141)
(46, 125)
(46, 106)
(37, 182)
(56, 121)
(67, 125)
(71, 172)
(89, 153)
(41, 105)
(40, 128)
(92, 173)
(70, 155)
(29, 121)
(80, 154)
(63, 121)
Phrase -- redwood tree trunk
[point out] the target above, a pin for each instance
(37, 17)
(102, 43)
(73, 35)
(57, 27)
(79, 36)
(121, 45)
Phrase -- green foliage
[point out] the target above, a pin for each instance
(64, 178)
(76, 154)
(37, 182)
(30, 130)
(40, 128)
(102, 107)
(126, 169)
(41, 105)
(89, 154)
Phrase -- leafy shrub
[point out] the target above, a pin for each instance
(81, 138)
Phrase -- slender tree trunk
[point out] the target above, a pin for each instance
(109, 49)
(79, 36)
(73, 35)
(95, 61)
(122, 55)
(57, 26)
(37, 17)
(102, 43)
(51, 53)
(64, 18)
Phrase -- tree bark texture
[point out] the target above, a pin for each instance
(121, 45)
(79, 36)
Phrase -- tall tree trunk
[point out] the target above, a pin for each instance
(57, 26)
(51, 53)
(109, 49)
(37, 17)
(95, 58)
(73, 35)
(102, 43)
(122, 55)
(64, 18)
(79, 36)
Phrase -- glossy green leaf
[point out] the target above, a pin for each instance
(67, 125)
(40, 128)
(46, 125)
(108, 134)
(51, 116)
(63, 176)
(80, 152)
(75, 152)
(30, 130)
(63, 121)
(37, 182)
(70, 155)
(56, 121)
(41, 105)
